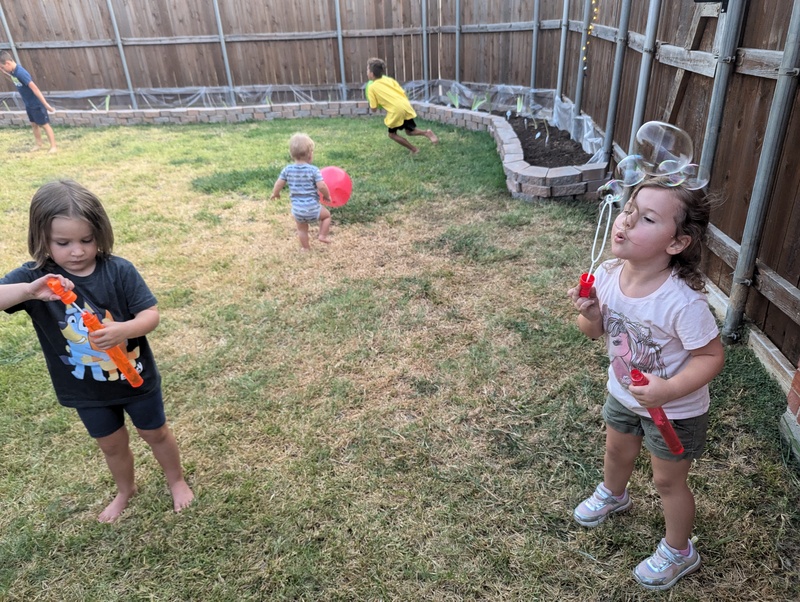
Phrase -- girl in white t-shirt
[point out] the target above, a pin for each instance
(649, 304)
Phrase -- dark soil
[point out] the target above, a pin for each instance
(557, 150)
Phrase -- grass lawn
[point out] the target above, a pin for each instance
(409, 413)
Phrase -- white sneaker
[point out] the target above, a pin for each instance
(595, 509)
(663, 569)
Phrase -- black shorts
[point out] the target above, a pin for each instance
(409, 125)
(37, 115)
(146, 413)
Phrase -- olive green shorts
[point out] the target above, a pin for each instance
(691, 431)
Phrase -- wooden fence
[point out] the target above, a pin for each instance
(125, 47)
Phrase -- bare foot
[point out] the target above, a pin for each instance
(36, 148)
(182, 495)
(304, 249)
(115, 508)
(432, 137)
(414, 150)
(53, 149)
(325, 239)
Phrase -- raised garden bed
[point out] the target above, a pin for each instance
(523, 179)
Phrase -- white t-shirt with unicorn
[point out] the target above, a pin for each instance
(654, 334)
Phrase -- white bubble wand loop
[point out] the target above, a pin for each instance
(606, 208)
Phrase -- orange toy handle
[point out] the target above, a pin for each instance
(117, 354)
(66, 296)
(660, 418)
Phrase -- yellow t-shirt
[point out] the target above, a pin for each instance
(387, 93)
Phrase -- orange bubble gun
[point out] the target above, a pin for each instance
(659, 418)
(117, 354)
(66, 296)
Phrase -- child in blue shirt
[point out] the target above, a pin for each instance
(36, 105)
(305, 186)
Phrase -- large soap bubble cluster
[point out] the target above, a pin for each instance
(659, 150)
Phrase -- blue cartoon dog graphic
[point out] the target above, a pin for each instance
(81, 352)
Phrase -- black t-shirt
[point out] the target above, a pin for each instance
(82, 376)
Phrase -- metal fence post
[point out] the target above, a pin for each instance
(537, 5)
(774, 136)
(231, 93)
(341, 49)
(648, 52)
(122, 54)
(562, 52)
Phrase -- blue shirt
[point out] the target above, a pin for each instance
(22, 79)
(302, 180)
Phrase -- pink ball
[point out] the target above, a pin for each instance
(339, 184)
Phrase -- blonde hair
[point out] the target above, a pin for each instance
(301, 146)
(66, 198)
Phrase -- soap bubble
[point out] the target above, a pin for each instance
(675, 179)
(663, 148)
(697, 176)
(630, 170)
(613, 188)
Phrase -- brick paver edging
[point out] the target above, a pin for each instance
(524, 181)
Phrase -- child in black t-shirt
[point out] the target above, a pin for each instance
(70, 238)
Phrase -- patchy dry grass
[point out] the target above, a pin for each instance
(409, 413)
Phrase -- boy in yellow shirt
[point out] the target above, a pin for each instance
(384, 92)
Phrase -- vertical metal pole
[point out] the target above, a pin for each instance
(587, 16)
(648, 52)
(231, 95)
(774, 136)
(537, 5)
(458, 41)
(425, 75)
(341, 49)
(562, 53)
(616, 80)
(726, 64)
(121, 51)
(8, 34)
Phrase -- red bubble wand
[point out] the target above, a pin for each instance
(659, 417)
(117, 354)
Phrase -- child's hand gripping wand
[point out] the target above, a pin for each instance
(659, 417)
(117, 353)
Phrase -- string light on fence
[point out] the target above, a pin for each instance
(585, 49)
